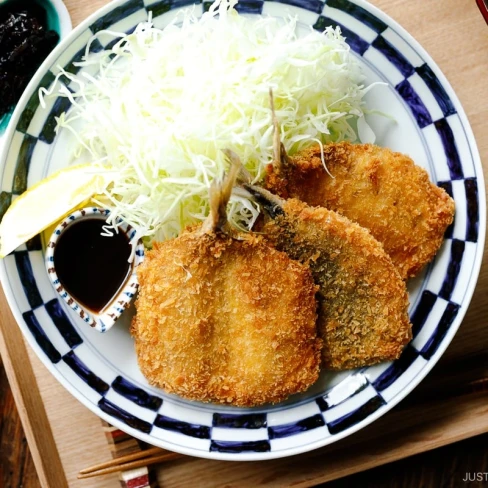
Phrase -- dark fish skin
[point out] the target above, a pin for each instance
(381, 190)
(363, 301)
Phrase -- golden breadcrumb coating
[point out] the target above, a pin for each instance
(384, 191)
(363, 302)
(226, 320)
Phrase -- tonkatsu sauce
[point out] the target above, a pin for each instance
(92, 267)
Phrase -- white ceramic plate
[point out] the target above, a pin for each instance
(101, 370)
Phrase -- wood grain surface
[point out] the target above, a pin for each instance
(16, 465)
(455, 35)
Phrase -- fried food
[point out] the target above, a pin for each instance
(363, 302)
(226, 318)
(384, 191)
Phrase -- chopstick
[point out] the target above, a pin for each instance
(482, 5)
(130, 461)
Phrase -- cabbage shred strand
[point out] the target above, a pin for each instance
(165, 103)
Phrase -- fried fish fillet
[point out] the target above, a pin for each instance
(384, 191)
(363, 302)
(225, 318)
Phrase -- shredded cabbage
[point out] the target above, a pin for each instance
(165, 103)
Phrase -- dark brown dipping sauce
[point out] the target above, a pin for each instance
(91, 267)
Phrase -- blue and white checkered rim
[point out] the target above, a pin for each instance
(358, 398)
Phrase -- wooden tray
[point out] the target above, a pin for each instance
(65, 437)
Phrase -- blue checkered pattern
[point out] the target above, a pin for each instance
(176, 424)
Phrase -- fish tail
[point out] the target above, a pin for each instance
(219, 195)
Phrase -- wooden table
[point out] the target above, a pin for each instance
(455, 35)
(446, 466)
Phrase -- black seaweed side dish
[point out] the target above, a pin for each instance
(25, 42)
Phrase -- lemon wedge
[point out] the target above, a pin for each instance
(47, 202)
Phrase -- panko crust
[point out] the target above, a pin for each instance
(225, 320)
(363, 302)
(382, 190)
